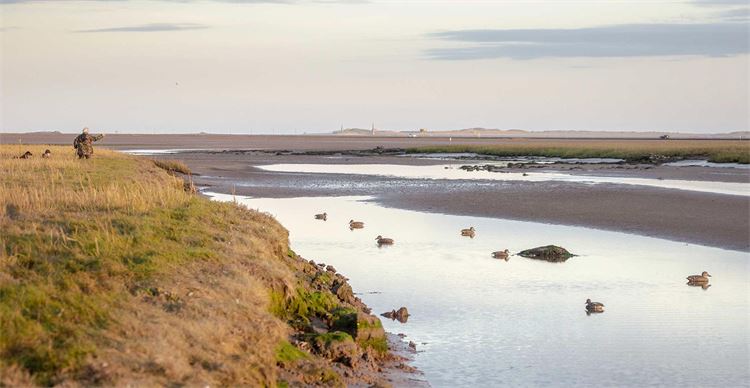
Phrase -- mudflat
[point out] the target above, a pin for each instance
(703, 218)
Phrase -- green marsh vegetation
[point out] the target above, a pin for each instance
(720, 151)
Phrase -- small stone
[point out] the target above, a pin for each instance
(401, 315)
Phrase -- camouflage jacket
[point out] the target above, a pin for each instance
(83, 143)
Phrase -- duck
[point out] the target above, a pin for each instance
(702, 278)
(501, 255)
(47, 153)
(384, 240)
(594, 307)
(322, 216)
(356, 224)
(468, 232)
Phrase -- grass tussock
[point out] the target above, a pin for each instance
(720, 151)
(111, 274)
(172, 166)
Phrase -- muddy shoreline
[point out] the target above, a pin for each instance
(691, 217)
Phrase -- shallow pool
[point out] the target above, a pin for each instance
(479, 321)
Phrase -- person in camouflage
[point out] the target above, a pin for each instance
(83, 144)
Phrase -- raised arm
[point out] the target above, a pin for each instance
(98, 137)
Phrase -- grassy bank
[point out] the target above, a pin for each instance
(112, 274)
(720, 151)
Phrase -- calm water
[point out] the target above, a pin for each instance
(162, 151)
(705, 163)
(519, 159)
(485, 322)
(452, 172)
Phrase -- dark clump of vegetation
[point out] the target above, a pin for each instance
(634, 151)
(287, 353)
(344, 319)
(379, 345)
(549, 253)
(329, 338)
(302, 305)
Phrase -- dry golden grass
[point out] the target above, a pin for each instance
(173, 166)
(111, 274)
(65, 183)
(632, 150)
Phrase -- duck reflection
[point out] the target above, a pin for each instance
(702, 285)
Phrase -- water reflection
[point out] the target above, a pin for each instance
(699, 284)
(488, 322)
(454, 173)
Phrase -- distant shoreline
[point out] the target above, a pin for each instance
(57, 136)
(640, 150)
(54, 137)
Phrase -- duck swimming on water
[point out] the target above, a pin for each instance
(594, 307)
(384, 240)
(468, 232)
(503, 255)
(702, 278)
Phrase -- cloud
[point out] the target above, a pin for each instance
(153, 27)
(234, 1)
(719, 3)
(735, 15)
(195, 1)
(629, 40)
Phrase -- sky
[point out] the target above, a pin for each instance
(306, 66)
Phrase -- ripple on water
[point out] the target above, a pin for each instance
(453, 173)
